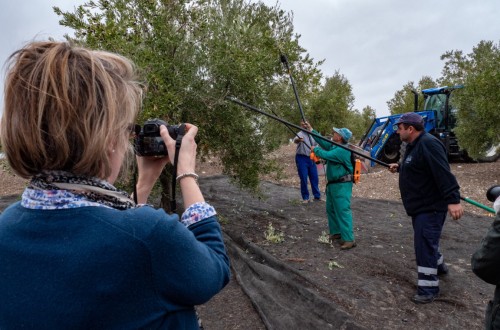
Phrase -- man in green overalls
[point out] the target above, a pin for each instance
(339, 188)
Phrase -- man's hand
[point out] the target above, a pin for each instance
(393, 168)
(306, 125)
(456, 211)
(298, 140)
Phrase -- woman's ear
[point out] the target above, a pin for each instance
(111, 148)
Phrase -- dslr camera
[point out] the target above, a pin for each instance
(148, 141)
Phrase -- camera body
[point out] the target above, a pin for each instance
(148, 141)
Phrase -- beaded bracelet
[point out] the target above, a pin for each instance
(189, 174)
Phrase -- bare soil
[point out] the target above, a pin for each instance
(280, 285)
(372, 283)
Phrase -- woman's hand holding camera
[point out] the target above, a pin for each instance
(186, 163)
(150, 168)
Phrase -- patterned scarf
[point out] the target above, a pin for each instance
(92, 189)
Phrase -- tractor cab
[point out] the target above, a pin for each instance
(438, 100)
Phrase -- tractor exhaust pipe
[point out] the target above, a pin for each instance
(416, 100)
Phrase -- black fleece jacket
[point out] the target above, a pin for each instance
(425, 180)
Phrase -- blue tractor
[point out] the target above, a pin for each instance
(383, 143)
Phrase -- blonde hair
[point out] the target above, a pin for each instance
(66, 107)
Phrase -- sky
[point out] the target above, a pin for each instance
(378, 45)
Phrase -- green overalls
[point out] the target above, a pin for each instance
(338, 195)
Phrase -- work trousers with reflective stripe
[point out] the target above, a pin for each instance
(427, 228)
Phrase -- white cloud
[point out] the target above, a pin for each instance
(381, 45)
(377, 45)
(25, 20)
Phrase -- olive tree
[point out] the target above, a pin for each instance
(478, 103)
(363, 121)
(404, 99)
(332, 105)
(193, 54)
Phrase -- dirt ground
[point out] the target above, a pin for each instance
(281, 285)
(371, 283)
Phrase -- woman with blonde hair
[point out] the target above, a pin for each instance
(76, 252)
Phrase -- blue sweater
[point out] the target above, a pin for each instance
(100, 268)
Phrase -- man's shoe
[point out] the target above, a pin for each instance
(305, 201)
(334, 237)
(423, 298)
(443, 269)
(318, 200)
(348, 245)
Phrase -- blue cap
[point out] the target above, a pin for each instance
(345, 133)
(411, 118)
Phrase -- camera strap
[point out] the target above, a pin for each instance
(178, 140)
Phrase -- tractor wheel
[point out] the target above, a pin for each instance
(492, 155)
(390, 152)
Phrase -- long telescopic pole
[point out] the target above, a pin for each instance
(248, 106)
(293, 131)
(285, 62)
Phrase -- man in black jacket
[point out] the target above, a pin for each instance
(485, 261)
(429, 190)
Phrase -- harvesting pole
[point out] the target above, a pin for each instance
(248, 106)
(284, 60)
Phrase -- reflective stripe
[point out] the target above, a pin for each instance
(440, 260)
(428, 283)
(427, 270)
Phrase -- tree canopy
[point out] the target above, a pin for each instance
(331, 105)
(194, 53)
(478, 103)
(404, 99)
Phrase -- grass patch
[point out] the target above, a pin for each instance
(272, 235)
(324, 238)
(333, 264)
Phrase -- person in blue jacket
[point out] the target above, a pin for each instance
(76, 252)
(339, 187)
(429, 191)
